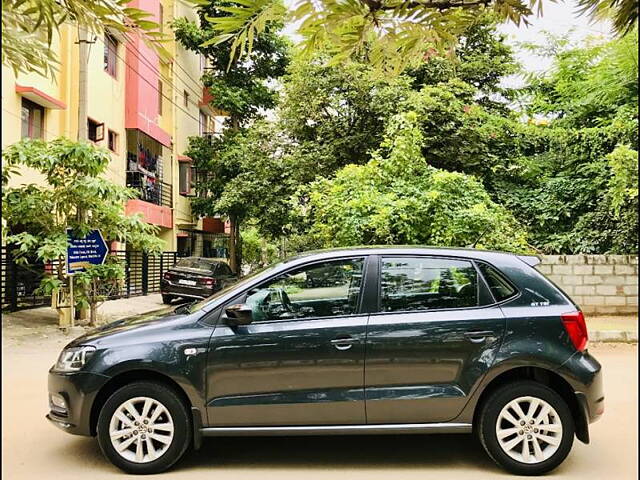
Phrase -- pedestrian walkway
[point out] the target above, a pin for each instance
(612, 328)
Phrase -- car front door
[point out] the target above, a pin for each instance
(430, 341)
(301, 360)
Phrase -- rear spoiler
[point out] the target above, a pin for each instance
(531, 260)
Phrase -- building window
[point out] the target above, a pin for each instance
(186, 98)
(110, 55)
(204, 123)
(96, 130)
(184, 180)
(32, 120)
(159, 97)
(113, 141)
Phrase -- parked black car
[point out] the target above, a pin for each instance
(195, 277)
(411, 340)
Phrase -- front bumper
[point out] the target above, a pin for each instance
(170, 288)
(79, 391)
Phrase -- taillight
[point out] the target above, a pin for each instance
(208, 281)
(576, 327)
(168, 275)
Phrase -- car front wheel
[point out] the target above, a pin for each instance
(526, 428)
(144, 428)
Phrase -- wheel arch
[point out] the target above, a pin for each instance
(546, 377)
(126, 378)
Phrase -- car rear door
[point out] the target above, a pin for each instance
(301, 361)
(430, 341)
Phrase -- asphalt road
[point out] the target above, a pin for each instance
(34, 449)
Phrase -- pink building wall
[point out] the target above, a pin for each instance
(141, 81)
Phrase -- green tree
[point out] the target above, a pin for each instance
(28, 28)
(242, 91)
(587, 84)
(387, 33)
(74, 196)
(398, 198)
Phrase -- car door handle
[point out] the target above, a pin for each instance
(344, 343)
(478, 337)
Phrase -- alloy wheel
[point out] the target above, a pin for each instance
(141, 429)
(529, 430)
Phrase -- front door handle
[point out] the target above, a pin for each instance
(343, 343)
(478, 337)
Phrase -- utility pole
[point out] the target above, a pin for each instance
(83, 59)
(83, 136)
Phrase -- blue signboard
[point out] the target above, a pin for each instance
(85, 251)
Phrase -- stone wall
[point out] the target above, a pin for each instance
(600, 284)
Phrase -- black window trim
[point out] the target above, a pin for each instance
(473, 261)
(505, 277)
(242, 297)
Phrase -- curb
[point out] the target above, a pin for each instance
(613, 336)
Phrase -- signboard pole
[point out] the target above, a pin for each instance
(72, 304)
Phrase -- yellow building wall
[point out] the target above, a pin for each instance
(186, 78)
(106, 104)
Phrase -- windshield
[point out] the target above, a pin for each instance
(197, 263)
(244, 280)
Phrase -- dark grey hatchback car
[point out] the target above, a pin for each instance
(341, 342)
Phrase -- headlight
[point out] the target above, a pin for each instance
(73, 359)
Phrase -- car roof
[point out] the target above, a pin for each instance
(472, 253)
(206, 259)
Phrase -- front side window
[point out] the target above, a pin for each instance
(325, 289)
(423, 283)
(32, 120)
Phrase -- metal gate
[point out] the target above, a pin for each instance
(20, 282)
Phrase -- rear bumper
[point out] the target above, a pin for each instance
(584, 373)
(170, 288)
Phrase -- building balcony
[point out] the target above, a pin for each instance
(157, 193)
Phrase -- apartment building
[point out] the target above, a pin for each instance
(142, 107)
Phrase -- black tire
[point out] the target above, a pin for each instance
(167, 299)
(182, 434)
(488, 417)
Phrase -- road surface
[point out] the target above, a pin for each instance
(34, 449)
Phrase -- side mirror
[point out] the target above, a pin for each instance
(238, 314)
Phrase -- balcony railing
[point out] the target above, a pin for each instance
(158, 193)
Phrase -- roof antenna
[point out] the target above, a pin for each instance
(479, 237)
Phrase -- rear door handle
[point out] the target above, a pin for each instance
(344, 343)
(478, 337)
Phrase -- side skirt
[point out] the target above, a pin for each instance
(337, 430)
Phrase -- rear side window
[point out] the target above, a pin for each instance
(423, 283)
(498, 284)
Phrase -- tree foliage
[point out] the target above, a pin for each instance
(398, 198)
(243, 90)
(75, 196)
(387, 33)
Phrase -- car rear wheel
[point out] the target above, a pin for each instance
(166, 299)
(526, 428)
(144, 428)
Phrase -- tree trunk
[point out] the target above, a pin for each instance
(232, 244)
(93, 315)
